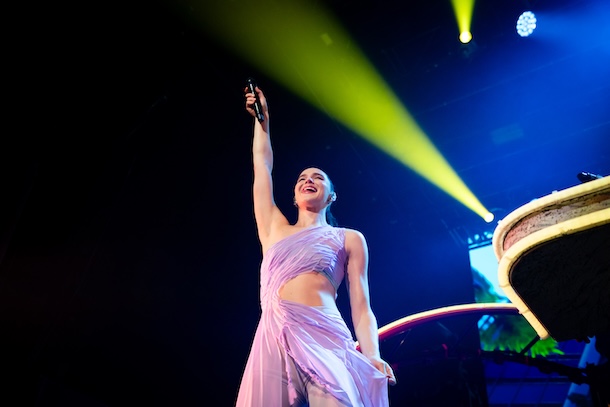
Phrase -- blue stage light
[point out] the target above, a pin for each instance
(526, 24)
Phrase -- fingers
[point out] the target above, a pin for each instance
(250, 99)
(247, 91)
(249, 95)
(389, 373)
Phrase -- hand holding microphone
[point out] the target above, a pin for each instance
(258, 108)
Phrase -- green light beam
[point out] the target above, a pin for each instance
(298, 43)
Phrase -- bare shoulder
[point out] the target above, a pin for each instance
(354, 239)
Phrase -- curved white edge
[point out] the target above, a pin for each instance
(497, 239)
(410, 321)
(536, 238)
(504, 225)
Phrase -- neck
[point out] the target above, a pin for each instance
(307, 219)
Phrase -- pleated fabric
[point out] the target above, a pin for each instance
(314, 339)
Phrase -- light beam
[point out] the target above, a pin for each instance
(304, 48)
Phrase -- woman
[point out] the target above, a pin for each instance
(303, 353)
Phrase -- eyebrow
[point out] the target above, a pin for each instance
(315, 173)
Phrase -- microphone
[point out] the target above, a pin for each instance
(587, 176)
(257, 104)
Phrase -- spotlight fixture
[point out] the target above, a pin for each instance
(526, 24)
(465, 37)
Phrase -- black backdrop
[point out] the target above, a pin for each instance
(129, 269)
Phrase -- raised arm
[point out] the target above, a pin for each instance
(266, 213)
(363, 318)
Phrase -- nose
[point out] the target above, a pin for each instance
(309, 180)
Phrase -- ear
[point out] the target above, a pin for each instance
(332, 198)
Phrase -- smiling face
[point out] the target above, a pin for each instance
(313, 189)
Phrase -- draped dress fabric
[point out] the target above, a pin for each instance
(314, 339)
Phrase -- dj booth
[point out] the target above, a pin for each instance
(554, 266)
(554, 261)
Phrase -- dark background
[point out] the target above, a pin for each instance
(129, 259)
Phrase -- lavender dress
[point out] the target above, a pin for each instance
(314, 339)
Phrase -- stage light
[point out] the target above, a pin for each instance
(465, 37)
(341, 72)
(526, 24)
(488, 217)
(463, 10)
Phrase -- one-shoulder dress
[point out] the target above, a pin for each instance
(314, 339)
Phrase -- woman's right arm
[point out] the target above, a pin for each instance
(266, 213)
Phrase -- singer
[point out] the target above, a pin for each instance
(303, 353)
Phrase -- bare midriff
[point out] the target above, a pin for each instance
(313, 289)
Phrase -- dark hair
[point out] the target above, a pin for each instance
(330, 218)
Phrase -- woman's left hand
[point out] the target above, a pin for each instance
(385, 368)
